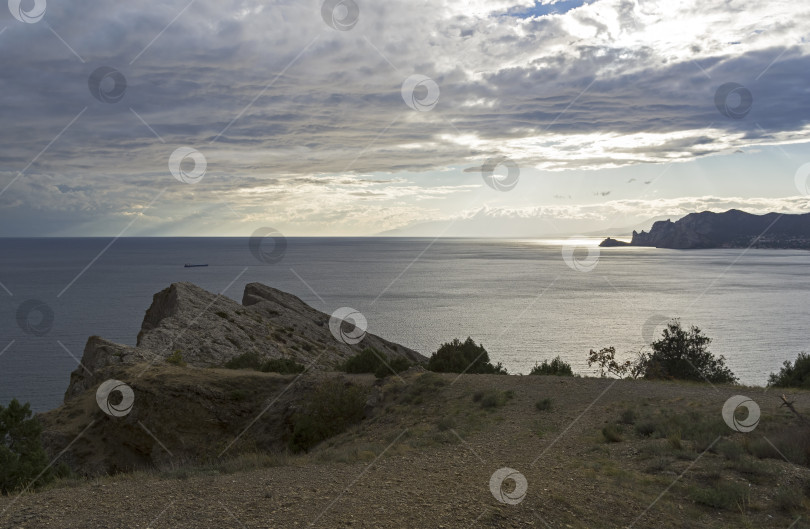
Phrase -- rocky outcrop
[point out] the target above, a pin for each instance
(206, 330)
(732, 229)
(100, 356)
(610, 243)
(191, 411)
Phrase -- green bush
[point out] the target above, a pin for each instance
(463, 357)
(793, 375)
(329, 410)
(366, 361)
(684, 355)
(176, 359)
(543, 404)
(492, 398)
(22, 458)
(612, 433)
(557, 367)
(249, 360)
(370, 360)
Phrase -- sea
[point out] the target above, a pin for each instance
(525, 300)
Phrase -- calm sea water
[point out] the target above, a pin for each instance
(517, 297)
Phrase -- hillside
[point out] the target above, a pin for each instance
(202, 446)
(731, 229)
(425, 454)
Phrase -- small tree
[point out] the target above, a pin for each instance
(463, 357)
(22, 458)
(557, 367)
(605, 360)
(793, 374)
(683, 355)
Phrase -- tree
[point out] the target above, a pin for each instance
(605, 359)
(793, 374)
(22, 458)
(683, 355)
(463, 357)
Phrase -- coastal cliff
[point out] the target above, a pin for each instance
(731, 229)
(207, 330)
(184, 396)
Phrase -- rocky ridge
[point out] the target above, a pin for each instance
(206, 330)
(186, 407)
(731, 229)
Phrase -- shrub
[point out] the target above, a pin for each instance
(366, 361)
(249, 360)
(492, 398)
(329, 410)
(684, 355)
(674, 440)
(463, 357)
(646, 428)
(793, 375)
(543, 404)
(370, 360)
(722, 495)
(397, 364)
(628, 416)
(22, 458)
(792, 443)
(176, 359)
(557, 367)
(612, 433)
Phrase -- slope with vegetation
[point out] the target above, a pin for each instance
(271, 441)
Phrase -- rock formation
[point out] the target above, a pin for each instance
(732, 229)
(195, 411)
(207, 330)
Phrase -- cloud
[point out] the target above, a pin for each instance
(617, 217)
(275, 99)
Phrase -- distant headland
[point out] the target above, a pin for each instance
(731, 229)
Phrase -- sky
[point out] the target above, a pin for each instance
(353, 118)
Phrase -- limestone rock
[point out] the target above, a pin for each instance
(207, 330)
